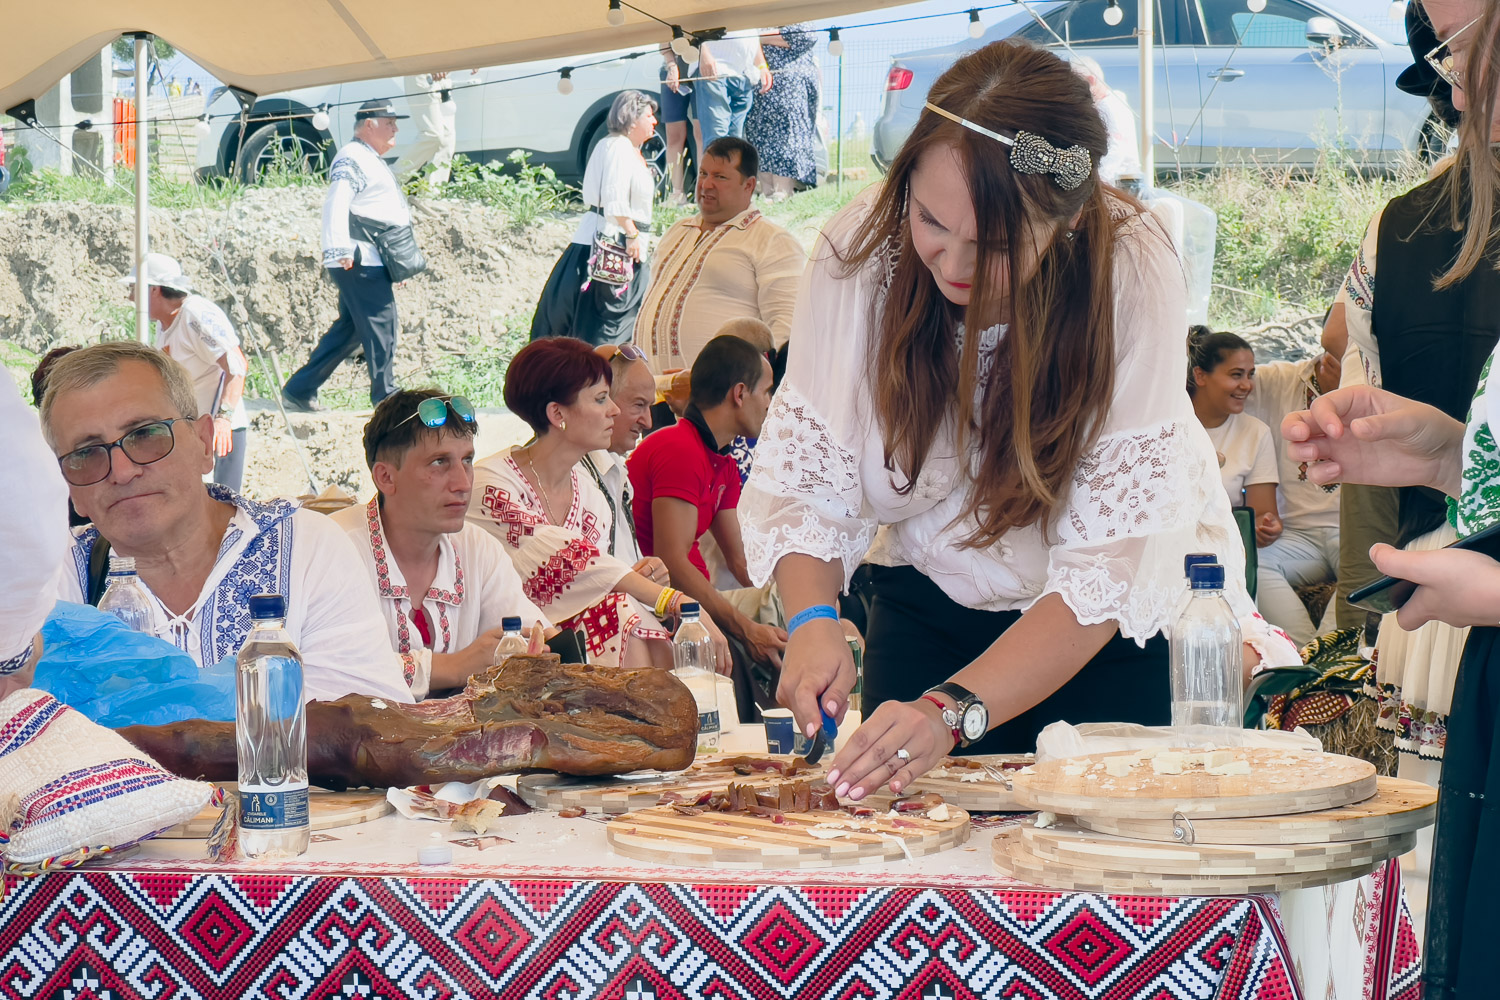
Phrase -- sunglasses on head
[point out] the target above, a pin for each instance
(629, 352)
(433, 411)
(145, 445)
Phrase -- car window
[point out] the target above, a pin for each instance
(1083, 25)
(1282, 25)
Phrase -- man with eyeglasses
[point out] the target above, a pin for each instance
(444, 585)
(123, 420)
(33, 547)
(633, 388)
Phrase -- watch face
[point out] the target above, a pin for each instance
(976, 722)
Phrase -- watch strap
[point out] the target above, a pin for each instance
(950, 718)
(963, 698)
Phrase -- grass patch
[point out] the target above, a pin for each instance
(520, 189)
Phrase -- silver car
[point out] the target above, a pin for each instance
(1280, 86)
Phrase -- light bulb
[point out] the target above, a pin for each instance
(616, 16)
(835, 44)
(1256, 6)
(1398, 10)
(201, 127)
(1113, 15)
(976, 29)
(680, 44)
(320, 120)
(565, 81)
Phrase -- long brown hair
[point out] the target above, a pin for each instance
(1055, 368)
(1471, 186)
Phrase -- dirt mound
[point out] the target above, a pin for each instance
(259, 258)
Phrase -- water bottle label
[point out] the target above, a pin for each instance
(708, 722)
(283, 809)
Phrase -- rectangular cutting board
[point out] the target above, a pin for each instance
(984, 789)
(662, 835)
(638, 791)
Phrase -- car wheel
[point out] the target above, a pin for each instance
(1432, 143)
(283, 146)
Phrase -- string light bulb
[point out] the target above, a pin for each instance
(1113, 15)
(976, 29)
(320, 119)
(835, 44)
(616, 16)
(201, 126)
(680, 43)
(565, 80)
(1256, 6)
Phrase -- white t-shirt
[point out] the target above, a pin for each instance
(1247, 454)
(736, 57)
(199, 336)
(618, 183)
(1283, 387)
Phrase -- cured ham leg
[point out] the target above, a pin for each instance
(532, 713)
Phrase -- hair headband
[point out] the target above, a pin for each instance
(1032, 154)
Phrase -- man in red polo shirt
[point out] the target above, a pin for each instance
(686, 484)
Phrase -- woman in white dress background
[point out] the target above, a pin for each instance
(1040, 481)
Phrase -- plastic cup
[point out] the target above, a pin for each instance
(780, 730)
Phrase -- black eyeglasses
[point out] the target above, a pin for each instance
(145, 445)
(433, 411)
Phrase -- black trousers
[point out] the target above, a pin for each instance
(367, 318)
(230, 470)
(1461, 917)
(919, 636)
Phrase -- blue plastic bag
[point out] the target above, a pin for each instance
(120, 677)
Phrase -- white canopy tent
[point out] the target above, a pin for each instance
(282, 44)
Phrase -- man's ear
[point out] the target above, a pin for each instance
(203, 431)
(383, 475)
(738, 394)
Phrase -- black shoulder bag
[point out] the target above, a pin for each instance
(397, 245)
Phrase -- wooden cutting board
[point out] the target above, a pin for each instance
(1398, 806)
(958, 785)
(638, 791)
(1011, 858)
(325, 811)
(662, 835)
(1081, 849)
(1279, 782)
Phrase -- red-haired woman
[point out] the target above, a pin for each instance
(556, 523)
(987, 360)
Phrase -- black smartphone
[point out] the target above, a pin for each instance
(1388, 593)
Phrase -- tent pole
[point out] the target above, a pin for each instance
(1145, 26)
(142, 201)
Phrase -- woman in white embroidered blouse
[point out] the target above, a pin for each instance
(1049, 465)
(618, 189)
(556, 524)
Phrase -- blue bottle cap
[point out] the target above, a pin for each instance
(690, 607)
(1207, 576)
(1194, 558)
(510, 623)
(263, 606)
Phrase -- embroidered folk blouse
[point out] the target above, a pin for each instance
(475, 587)
(1145, 494)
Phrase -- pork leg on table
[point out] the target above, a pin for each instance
(532, 713)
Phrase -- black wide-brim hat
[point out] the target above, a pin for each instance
(1419, 78)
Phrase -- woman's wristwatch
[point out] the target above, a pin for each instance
(969, 721)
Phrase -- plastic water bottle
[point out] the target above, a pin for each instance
(512, 641)
(126, 597)
(1207, 685)
(693, 663)
(271, 736)
(1188, 562)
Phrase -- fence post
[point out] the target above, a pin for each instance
(839, 131)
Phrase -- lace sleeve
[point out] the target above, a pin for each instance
(803, 495)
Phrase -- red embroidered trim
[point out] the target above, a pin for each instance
(558, 573)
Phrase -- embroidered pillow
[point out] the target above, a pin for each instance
(71, 789)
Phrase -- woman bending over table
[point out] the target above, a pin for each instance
(987, 359)
(556, 523)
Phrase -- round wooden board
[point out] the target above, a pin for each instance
(1011, 858)
(1279, 782)
(1398, 806)
(1079, 849)
(662, 835)
(990, 793)
(641, 790)
(325, 811)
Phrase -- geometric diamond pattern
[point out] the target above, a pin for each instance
(131, 935)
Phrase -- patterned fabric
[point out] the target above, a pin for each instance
(1420, 731)
(132, 934)
(15, 663)
(782, 123)
(71, 786)
(1478, 504)
(263, 566)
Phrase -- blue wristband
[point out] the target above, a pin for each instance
(806, 615)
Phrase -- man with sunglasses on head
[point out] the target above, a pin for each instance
(444, 585)
(123, 420)
(633, 389)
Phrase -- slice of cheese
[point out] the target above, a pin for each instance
(1118, 767)
(1167, 763)
(1230, 767)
